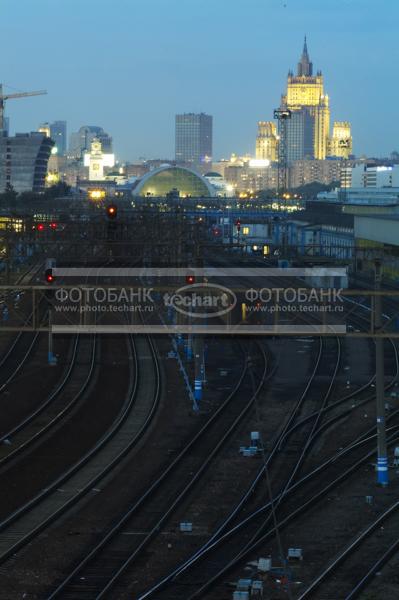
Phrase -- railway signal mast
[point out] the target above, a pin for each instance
(282, 115)
(4, 97)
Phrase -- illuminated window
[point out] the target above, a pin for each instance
(245, 230)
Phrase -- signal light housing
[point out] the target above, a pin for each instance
(48, 275)
(112, 211)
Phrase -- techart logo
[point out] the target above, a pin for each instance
(202, 300)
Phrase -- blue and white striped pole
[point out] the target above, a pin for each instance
(198, 389)
(382, 453)
(188, 348)
(382, 470)
(51, 358)
(197, 370)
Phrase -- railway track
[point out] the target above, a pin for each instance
(75, 379)
(87, 583)
(301, 508)
(101, 569)
(169, 582)
(46, 507)
(387, 520)
(314, 419)
(58, 404)
(181, 591)
(22, 345)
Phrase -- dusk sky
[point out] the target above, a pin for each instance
(130, 66)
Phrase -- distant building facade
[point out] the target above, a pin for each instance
(58, 133)
(364, 176)
(23, 162)
(247, 175)
(340, 142)
(193, 139)
(366, 186)
(80, 142)
(266, 141)
(303, 172)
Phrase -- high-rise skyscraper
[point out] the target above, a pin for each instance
(307, 131)
(193, 138)
(58, 133)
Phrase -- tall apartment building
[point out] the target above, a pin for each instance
(302, 172)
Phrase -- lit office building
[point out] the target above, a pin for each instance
(23, 162)
(193, 139)
(58, 133)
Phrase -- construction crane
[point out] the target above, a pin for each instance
(4, 97)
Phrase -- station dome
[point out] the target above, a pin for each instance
(167, 178)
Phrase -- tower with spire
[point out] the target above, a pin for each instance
(307, 131)
(306, 135)
(305, 67)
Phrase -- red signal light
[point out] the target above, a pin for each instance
(190, 279)
(53, 225)
(112, 211)
(40, 226)
(48, 275)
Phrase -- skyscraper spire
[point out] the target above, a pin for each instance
(305, 67)
(305, 48)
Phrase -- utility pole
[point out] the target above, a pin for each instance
(382, 458)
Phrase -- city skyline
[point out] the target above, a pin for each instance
(239, 85)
